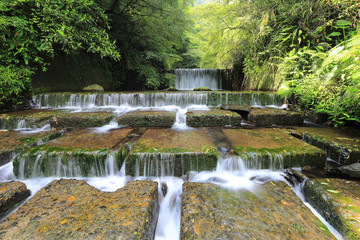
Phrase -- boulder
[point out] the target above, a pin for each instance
(81, 152)
(171, 152)
(351, 170)
(72, 209)
(148, 119)
(93, 88)
(11, 194)
(271, 211)
(337, 200)
(81, 120)
(264, 117)
(273, 148)
(213, 118)
(342, 145)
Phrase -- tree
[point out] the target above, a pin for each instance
(148, 34)
(31, 30)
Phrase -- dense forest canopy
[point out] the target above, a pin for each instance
(308, 49)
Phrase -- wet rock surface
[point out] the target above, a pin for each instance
(273, 211)
(82, 152)
(33, 118)
(12, 142)
(243, 110)
(342, 145)
(72, 209)
(273, 148)
(338, 201)
(11, 194)
(273, 117)
(148, 119)
(213, 118)
(81, 120)
(182, 150)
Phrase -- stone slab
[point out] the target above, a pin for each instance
(338, 201)
(72, 209)
(178, 151)
(273, 148)
(81, 120)
(272, 211)
(13, 142)
(82, 152)
(342, 145)
(212, 118)
(274, 117)
(11, 194)
(33, 118)
(148, 119)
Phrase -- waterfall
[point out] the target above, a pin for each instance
(155, 99)
(188, 79)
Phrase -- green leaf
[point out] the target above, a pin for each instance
(343, 23)
(335, 34)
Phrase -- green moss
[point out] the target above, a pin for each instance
(333, 206)
(202, 89)
(43, 160)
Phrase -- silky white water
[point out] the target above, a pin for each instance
(231, 173)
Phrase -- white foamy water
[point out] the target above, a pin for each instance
(231, 173)
(168, 225)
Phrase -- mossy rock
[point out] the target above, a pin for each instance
(213, 118)
(11, 194)
(337, 200)
(69, 208)
(172, 89)
(177, 151)
(81, 153)
(275, 117)
(12, 142)
(342, 145)
(271, 211)
(273, 148)
(148, 119)
(33, 118)
(94, 88)
(81, 120)
(202, 89)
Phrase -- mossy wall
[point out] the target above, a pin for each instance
(73, 73)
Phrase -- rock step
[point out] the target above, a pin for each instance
(81, 152)
(69, 208)
(12, 142)
(173, 152)
(148, 119)
(272, 211)
(81, 120)
(338, 201)
(11, 194)
(265, 117)
(34, 118)
(213, 118)
(342, 145)
(273, 148)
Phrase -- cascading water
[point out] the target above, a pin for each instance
(188, 79)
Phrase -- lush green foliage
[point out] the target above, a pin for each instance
(31, 30)
(291, 42)
(149, 34)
